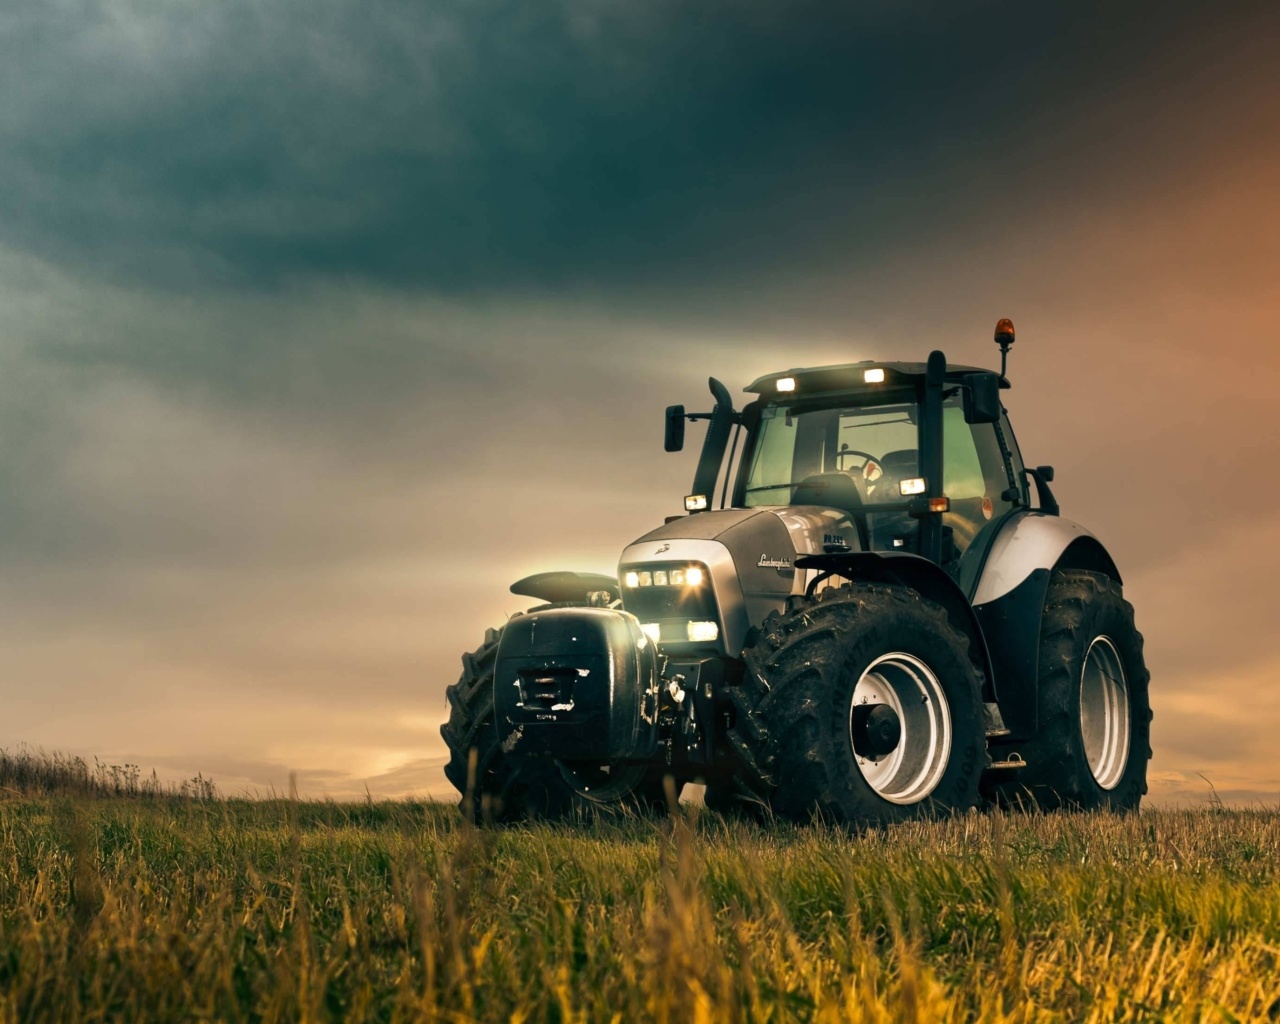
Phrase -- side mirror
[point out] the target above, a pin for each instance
(674, 439)
(981, 397)
(1042, 475)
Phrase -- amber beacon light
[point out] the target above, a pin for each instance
(1004, 338)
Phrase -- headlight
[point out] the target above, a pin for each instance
(683, 576)
(674, 601)
(703, 632)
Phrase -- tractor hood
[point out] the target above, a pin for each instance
(750, 556)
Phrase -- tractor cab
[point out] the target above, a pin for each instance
(865, 438)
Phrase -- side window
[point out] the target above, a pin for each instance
(961, 468)
(975, 479)
(774, 455)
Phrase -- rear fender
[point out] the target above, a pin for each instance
(1009, 603)
(921, 575)
(1033, 541)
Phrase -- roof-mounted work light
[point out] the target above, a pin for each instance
(786, 384)
(875, 376)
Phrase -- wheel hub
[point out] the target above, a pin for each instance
(877, 730)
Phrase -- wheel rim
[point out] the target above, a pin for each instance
(913, 769)
(1104, 713)
(602, 783)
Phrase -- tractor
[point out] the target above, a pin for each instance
(876, 624)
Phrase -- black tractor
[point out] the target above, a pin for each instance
(875, 624)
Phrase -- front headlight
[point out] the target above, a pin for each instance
(667, 576)
(702, 632)
(675, 601)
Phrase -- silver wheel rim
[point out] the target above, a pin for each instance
(1104, 713)
(913, 769)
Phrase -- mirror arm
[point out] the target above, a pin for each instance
(1048, 503)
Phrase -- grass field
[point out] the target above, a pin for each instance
(152, 907)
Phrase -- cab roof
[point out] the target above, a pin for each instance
(850, 376)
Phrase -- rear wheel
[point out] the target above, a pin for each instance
(496, 787)
(861, 704)
(1093, 743)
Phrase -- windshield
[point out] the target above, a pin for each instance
(853, 457)
(839, 455)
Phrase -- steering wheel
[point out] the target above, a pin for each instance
(871, 469)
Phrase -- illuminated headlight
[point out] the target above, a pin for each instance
(682, 576)
(786, 384)
(915, 485)
(873, 377)
(652, 630)
(695, 503)
(702, 632)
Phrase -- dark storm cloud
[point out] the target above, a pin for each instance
(473, 146)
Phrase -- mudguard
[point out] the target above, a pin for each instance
(923, 576)
(1032, 541)
(1009, 603)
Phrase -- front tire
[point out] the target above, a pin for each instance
(499, 788)
(862, 705)
(1093, 743)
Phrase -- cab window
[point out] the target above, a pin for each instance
(976, 480)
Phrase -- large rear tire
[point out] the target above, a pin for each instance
(499, 788)
(1094, 738)
(861, 705)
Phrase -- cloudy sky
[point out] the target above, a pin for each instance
(321, 322)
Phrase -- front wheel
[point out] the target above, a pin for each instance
(1093, 742)
(862, 705)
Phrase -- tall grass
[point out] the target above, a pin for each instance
(30, 772)
(167, 908)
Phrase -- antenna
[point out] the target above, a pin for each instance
(1004, 338)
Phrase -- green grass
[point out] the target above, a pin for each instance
(163, 907)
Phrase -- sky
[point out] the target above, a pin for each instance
(323, 322)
